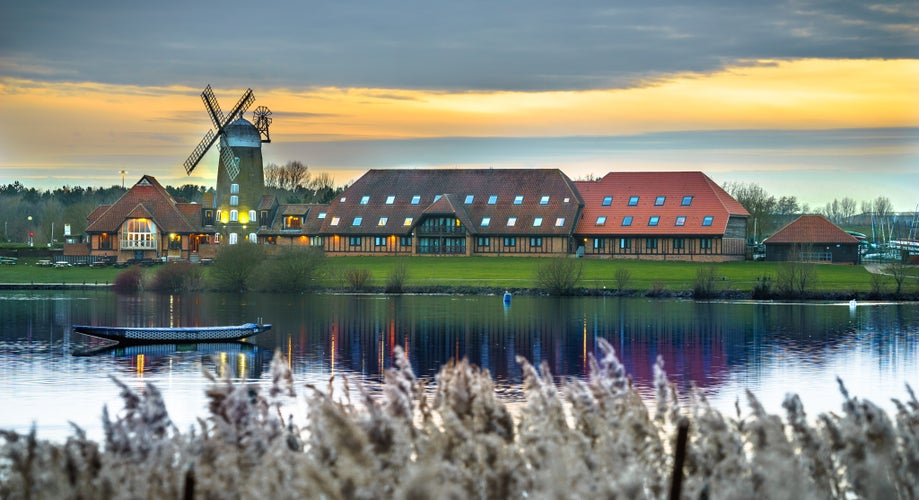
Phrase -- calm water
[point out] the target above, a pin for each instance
(723, 348)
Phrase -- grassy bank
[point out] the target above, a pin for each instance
(512, 273)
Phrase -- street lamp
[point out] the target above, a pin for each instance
(122, 178)
(31, 234)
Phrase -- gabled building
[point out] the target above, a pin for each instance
(453, 212)
(812, 238)
(660, 215)
(147, 223)
(291, 224)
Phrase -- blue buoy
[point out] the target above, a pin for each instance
(507, 298)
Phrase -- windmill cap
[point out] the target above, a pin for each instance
(241, 133)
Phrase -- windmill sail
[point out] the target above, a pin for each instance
(221, 122)
(230, 160)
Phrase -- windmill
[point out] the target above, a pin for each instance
(221, 122)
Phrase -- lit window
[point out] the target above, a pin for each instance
(416, 199)
(335, 221)
(252, 216)
(601, 220)
(566, 200)
(511, 221)
(659, 201)
(486, 221)
(560, 222)
(493, 199)
(365, 199)
(518, 200)
(544, 200)
(234, 238)
(390, 199)
(707, 220)
(234, 188)
(408, 221)
(234, 200)
(321, 215)
(234, 215)
(383, 221)
(343, 199)
(469, 199)
(653, 220)
(680, 221)
(633, 200)
(357, 221)
(253, 238)
(537, 222)
(607, 201)
(687, 200)
(627, 220)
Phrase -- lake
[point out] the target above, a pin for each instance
(723, 348)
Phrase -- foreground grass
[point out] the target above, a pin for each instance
(507, 272)
(454, 439)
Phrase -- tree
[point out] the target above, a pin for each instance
(898, 271)
(758, 202)
(847, 208)
(291, 269)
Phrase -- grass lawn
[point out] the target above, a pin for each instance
(502, 272)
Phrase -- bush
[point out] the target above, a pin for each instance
(762, 289)
(177, 277)
(234, 266)
(795, 279)
(622, 277)
(395, 282)
(559, 275)
(358, 279)
(704, 285)
(657, 289)
(128, 281)
(291, 269)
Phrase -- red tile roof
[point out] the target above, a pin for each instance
(708, 200)
(445, 191)
(149, 199)
(810, 229)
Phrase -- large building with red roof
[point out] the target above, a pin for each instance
(812, 238)
(660, 215)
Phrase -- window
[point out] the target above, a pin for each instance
(252, 216)
(354, 241)
(408, 221)
(105, 241)
(292, 222)
(537, 222)
(633, 201)
(321, 215)
(518, 200)
(680, 221)
(510, 241)
(560, 222)
(654, 220)
(253, 238)
(416, 199)
(208, 217)
(234, 200)
(234, 215)
(379, 241)
(343, 199)
(659, 201)
(705, 243)
(316, 241)
(390, 199)
(651, 243)
(607, 201)
(627, 220)
(357, 221)
(566, 200)
(601, 220)
(598, 243)
(234, 238)
(469, 199)
(544, 200)
(483, 241)
(511, 221)
(679, 243)
(493, 199)
(365, 199)
(687, 201)
(234, 188)
(486, 221)
(405, 241)
(335, 221)
(437, 197)
(707, 220)
(536, 242)
(383, 221)
(625, 243)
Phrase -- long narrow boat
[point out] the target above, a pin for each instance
(160, 335)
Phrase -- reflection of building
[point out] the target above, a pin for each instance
(661, 215)
(147, 223)
(812, 238)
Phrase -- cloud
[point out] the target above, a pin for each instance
(423, 44)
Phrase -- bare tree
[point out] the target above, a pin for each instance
(898, 271)
(757, 201)
(847, 208)
(294, 176)
(272, 176)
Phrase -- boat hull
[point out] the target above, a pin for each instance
(141, 335)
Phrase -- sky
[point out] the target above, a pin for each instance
(807, 98)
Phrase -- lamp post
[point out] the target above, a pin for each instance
(31, 234)
(122, 178)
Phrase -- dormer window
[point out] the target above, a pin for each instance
(390, 199)
(493, 199)
(383, 221)
(511, 221)
(469, 199)
(537, 222)
(518, 200)
(357, 221)
(486, 221)
(544, 200)
(335, 221)
(680, 221)
(601, 220)
(654, 220)
(365, 199)
(627, 220)
(343, 199)
(633, 201)
(560, 222)
(607, 201)
(687, 201)
(707, 220)
(659, 201)
(416, 199)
